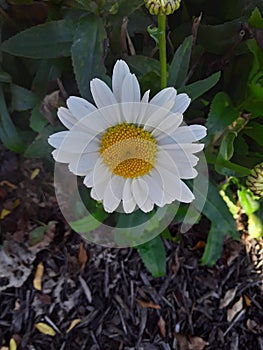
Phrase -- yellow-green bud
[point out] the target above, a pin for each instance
(255, 180)
(162, 7)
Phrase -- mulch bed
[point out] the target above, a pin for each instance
(94, 297)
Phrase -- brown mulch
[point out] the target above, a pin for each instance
(91, 297)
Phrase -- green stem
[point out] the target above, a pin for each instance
(162, 49)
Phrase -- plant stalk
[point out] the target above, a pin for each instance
(162, 49)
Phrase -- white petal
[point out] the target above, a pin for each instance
(163, 96)
(140, 191)
(179, 156)
(156, 192)
(185, 147)
(63, 157)
(147, 206)
(181, 170)
(182, 102)
(55, 140)
(130, 89)
(79, 107)
(101, 93)
(174, 186)
(66, 117)
(145, 98)
(70, 141)
(168, 125)
(100, 185)
(120, 70)
(153, 116)
(83, 163)
(187, 134)
(128, 201)
(111, 199)
(185, 195)
(130, 111)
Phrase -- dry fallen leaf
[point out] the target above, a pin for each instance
(161, 326)
(190, 343)
(199, 245)
(229, 296)
(73, 324)
(197, 343)
(247, 300)
(38, 276)
(148, 304)
(45, 329)
(4, 213)
(12, 344)
(34, 173)
(231, 313)
(83, 256)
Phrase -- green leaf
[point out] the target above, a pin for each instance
(247, 202)
(48, 40)
(153, 256)
(221, 114)
(5, 77)
(217, 212)
(199, 87)
(256, 20)
(154, 33)
(8, 133)
(141, 65)
(37, 120)
(87, 52)
(40, 148)
(255, 131)
(125, 9)
(180, 63)
(22, 99)
(214, 245)
(255, 226)
(222, 223)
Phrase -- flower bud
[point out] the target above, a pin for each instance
(255, 180)
(162, 7)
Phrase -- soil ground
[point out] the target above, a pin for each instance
(58, 291)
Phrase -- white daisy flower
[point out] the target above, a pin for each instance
(134, 152)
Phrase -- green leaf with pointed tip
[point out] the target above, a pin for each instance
(87, 52)
(141, 65)
(222, 113)
(8, 133)
(22, 99)
(180, 63)
(214, 245)
(153, 256)
(200, 87)
(48, 40)
(256, 20)
(247, 202)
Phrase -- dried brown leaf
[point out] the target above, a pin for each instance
(199, 245)
(192, 343)
(148, 304)
(83, 256)
(161, 326)
(237, 307)
(197, 343)
(229, 296)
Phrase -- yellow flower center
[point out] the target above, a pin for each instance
(128, 150)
